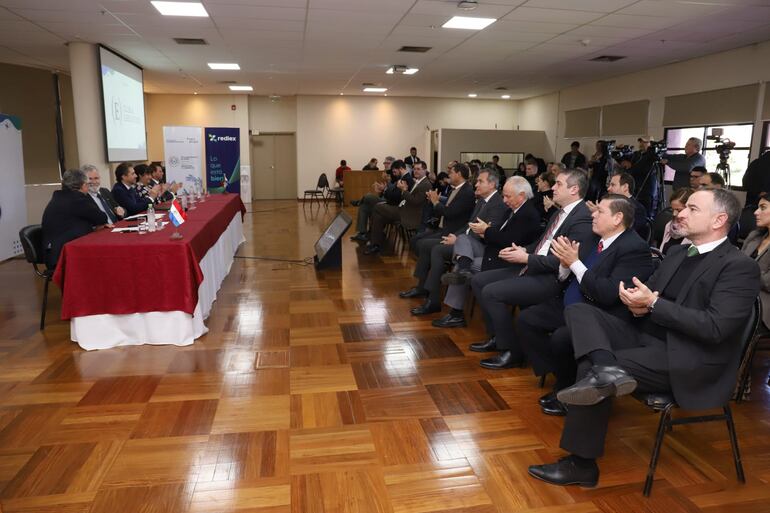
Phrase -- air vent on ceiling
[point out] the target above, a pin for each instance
(501, 88)
(190, 41)
(608, 58)
(227, 82)
(415, 49)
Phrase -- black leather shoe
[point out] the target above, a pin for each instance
(553, 406)
(567, 471)
(456, 278)
(484, 347)
(547, 398)
(372, 249)
(504, 360)
(428, 307)
(450, 321)
(413, 292)
(602, 381)
(355, 203)
(360, 237)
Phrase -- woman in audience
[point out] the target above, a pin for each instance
(671, 236)
(543, 195)
(756, 245)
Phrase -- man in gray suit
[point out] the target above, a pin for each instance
(683, 163)
(684, 342)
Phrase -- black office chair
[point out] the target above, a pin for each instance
(659, 225)
(320, 189)
(665, 402)
(747, 222)
(31, 238)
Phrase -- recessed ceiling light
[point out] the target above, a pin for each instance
(181, 9)
(506, 97)
(223, 65)
(402, 70)
(468, 23)
(472, 95)
(241, 88)
(342, 94)
(375, 89)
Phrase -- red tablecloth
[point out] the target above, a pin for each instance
(124, 273)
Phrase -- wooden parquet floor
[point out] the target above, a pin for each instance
(320, 393)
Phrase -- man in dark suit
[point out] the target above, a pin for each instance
(479, 251)
(408, 211)
(573, 159)
(683, 343)
(101, 196)
(454, 216)
(535, 278)
(124, 191)
(70, 214)
(168, 191)
(462, 244)
(412, 159)
(620, 255)
(624, 184)
(391, 195)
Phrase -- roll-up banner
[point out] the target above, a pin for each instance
(13, 202)
(182, 150)
(223, 159)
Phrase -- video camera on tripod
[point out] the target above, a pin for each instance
(723, 147)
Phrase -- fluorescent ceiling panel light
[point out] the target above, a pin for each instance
(241, 88)
(223, 65)
(375, 89)
(472, 95)
(402, 71)
(506, 97)
(465, 22)
(181, 9)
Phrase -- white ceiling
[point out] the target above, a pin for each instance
(289, 47)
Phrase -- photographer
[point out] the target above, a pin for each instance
(683, 163)
(645, 174)
(644, 145)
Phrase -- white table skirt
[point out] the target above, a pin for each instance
(175, 327)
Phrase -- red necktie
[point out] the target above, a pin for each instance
(600, 247)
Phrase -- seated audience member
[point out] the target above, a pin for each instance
(454, 216)
(70, 214)
(442, 185)
(531, 172)
(672, 235)
(684, 163)
(340, 172)
(620, 255)
(695, 176)
(385, 191)
(489, 208)
(412, 158)
(543, 197)
(573, 159)
(149, 192)
(408, 211)
(682, 343)
(477, 253)
(167, 191)
(755, 246)
(534, 279)
(711, 181)
(124, 191)
(371, 165)
(623, 184)
(387, 163)
(101, 196)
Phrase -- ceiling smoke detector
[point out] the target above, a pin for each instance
(467, 5)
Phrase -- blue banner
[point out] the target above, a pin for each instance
(223, 159)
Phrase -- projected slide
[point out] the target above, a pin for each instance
(123, 96)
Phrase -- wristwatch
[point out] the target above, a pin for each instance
(652, 305)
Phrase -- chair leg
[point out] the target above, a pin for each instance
(45, 303)
(734, 444)
(665, 416)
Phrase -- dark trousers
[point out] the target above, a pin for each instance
(497, 297)
(365, 210)
(426, 259)
(428, 233)
(384, 214)
(544, 337)
(642, 355)
(440, 254)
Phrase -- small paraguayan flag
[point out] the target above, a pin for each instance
(176, 213)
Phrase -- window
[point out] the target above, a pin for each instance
(739, 156)
(765, 138)
(508, 161)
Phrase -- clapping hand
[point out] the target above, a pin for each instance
(514, 254)
(638, 298)
(479, 227)
(449, 239)
(401, 184)
(432, 196)
(547, 203)
(565, 250)
(591, 205)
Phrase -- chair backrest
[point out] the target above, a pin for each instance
(747, 222)
(31, 238)
(657, 258)
(323, 182)
(659, 224)
(645, 232)
(749, 340)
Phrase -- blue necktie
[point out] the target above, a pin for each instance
(107, 210)
(573, 294)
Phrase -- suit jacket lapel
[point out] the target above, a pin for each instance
(703, 266)
(567, 220)
(667, 269)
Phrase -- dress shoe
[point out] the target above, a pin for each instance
(372, 249)
(553, 406)
(413, 292)
(567, 471)
(360, 237)
(355, 203)
(547, 398)
(456, 278)
(486, 346)
(504, 360)
(428, 307)
(602, 381)
(450, 321)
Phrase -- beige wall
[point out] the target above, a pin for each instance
(270, 116)
(455, 141)
(355, 128)
(203, 110)
(747, 65)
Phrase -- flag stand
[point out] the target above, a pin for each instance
(176, 235)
